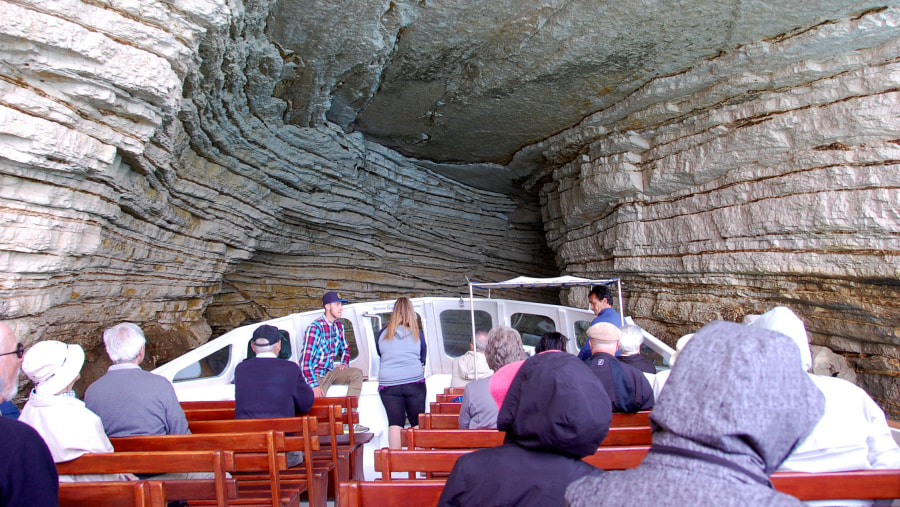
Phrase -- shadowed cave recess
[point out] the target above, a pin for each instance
(195, 165)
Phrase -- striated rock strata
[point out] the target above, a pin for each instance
(194, 164)
(768, 176)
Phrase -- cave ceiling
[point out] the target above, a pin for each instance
(461, 82)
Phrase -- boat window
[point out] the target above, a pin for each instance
(456, 329)
(581, 327)
(210, 366)
(351, 338)
(531, 327)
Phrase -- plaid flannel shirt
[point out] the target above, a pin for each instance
(323, 343)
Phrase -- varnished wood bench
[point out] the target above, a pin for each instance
(447, 398)
(247, 448)
(215, 462)
(863, 484)
(391, 494)
(463, 439)
(299, 436)
(120, 494)
(457, 391)
(441, 461)
(350, 443)
(444, 408)
(330, 417)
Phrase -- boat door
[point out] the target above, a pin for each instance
(452, 322)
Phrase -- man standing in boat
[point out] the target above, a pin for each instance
(326, 355)
(601, 303)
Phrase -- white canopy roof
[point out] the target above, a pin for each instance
(559, 281)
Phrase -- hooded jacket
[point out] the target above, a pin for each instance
(555, 413)
(733, 408)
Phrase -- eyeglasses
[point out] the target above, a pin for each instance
(19, 352)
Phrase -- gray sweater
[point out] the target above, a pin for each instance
(402, 358)
(733, 408)
(132, 402)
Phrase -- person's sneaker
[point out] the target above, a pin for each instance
(359, 428)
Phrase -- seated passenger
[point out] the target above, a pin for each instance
(62, 420)
(555, 413)
(551, 341)
(625, 385)
(853, 434)
(630, 348)
(718, 435)
(266, 386)
(472, 364)
(479, 410)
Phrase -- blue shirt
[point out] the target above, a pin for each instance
(606, 315)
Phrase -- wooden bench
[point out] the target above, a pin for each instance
(215, 462)
(458, 391)
(447, 398)
(330, 417)
(245, 446)
(299, 436)
(444, 408)
(390, 494)
(469, 439)
(351, 444)
(119, 494)
(863, 484)
(451, 421)
(441, 461)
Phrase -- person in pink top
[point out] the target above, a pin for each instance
(479, 406)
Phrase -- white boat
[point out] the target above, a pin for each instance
(207, 372)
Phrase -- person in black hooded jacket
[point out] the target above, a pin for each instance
(555, 413)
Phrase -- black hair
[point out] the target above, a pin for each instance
(602, 292)
(551, 341)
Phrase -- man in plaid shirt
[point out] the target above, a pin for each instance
(326, 356)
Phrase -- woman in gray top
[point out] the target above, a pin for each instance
(401, 376)
(733, 408)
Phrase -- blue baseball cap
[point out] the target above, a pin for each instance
(332, 297)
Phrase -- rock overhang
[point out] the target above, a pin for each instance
(462, 82)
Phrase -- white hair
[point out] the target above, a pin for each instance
(631, 340)
(263, 348)
(124, 342)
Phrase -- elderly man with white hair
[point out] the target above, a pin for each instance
(27, 472)
(627, 387)
(129, 400)
(852, 434)
(630, 349)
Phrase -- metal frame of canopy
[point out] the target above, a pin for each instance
(527, 282)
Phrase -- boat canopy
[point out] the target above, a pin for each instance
(525, 282)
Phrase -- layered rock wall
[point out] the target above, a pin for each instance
(768, 176)
(147, 177)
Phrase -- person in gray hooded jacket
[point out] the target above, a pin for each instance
(733, 408)
(555, 413)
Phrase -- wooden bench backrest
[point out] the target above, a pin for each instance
(249, 449)
(455, 390)
(217, 462)
(445, 408)
(390, 494)
(463, 439)
(121, 494)
(447, 398)
(641, 418)
(860, 484)
(438, 421)
(442, 460)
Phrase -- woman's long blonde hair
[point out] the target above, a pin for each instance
(403, 315)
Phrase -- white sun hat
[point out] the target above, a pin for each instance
(52, 365)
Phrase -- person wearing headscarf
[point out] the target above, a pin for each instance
(733, 408)
(852, 435)
(63, 421)
(554, 413)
